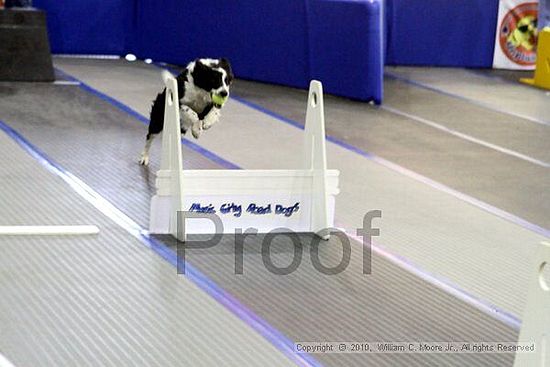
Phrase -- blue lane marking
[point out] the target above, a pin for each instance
(395, 167)
(447, 286)
(162, 66)
(144, 120)
(275, 337)
(466, 99)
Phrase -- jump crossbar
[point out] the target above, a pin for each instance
(299, 200)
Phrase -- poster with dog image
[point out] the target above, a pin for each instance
(516, 35)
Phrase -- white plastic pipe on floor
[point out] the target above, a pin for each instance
(4, 362)
(47, 230)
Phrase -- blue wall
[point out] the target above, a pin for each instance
(88, 26)
(285, 42)
(345, 46)
(441, 32)
(418, 32)
(265, 41)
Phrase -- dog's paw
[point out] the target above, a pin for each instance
(210, 119)
(196, 133)
(144, 160)
(196, 129)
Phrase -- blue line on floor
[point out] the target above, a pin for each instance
(466, 99)
(469, 138)
(418, 177)
(443, 284)
(208, 154)
(275, 337)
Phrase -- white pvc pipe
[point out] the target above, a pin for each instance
(4, 362)
(47, 230)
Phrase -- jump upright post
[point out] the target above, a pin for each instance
(292, 200)
(535, 328)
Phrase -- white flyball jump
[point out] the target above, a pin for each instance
(293, 200)
(535, 328)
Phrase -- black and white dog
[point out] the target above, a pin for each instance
(203, 87)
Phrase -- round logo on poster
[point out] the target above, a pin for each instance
(518, 34)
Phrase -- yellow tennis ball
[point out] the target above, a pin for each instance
(219, 100)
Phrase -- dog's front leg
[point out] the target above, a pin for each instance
(196, 129)
(190, 120)
(211, 118)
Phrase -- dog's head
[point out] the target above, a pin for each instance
(525, 34)
(213, 75)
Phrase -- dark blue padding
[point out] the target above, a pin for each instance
(88, 26)
(264, 40)
(441, 32)
(346, 47)
(286, 42)
(544, 14)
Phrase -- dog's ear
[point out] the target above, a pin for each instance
(224, 64)
(199, 64)
(200, 72)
